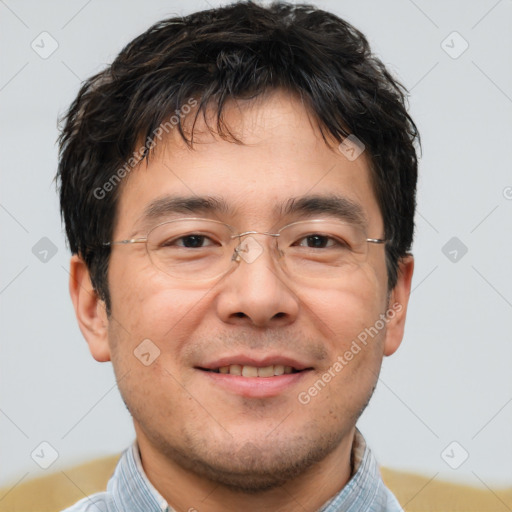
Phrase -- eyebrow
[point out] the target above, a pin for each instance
(332, 205)
(168, 206)
(177, 204)
(341, 207)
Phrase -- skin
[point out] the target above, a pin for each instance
(202, 446)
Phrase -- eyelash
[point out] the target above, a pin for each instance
(341, 243)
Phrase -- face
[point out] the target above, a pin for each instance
(245, 431)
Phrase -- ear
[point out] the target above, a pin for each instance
(89, 309)
(397, 306)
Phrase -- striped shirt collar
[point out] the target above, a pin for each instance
(130, 487)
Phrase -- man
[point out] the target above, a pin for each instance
(238, 190)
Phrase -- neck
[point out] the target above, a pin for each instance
(186, 491)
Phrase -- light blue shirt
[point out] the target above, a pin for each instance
(129, 489)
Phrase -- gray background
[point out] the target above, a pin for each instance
(450, 380)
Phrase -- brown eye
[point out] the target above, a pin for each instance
(318, 241)
(193, 241)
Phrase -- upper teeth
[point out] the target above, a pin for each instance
(253, 371)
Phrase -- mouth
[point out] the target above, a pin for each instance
(255, 377)
(254, 371)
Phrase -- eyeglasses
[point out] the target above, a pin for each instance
(202, 249)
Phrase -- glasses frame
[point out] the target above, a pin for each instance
(236, 252)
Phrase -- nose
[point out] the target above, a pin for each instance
(256, 292)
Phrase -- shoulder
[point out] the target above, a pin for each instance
(100, 502)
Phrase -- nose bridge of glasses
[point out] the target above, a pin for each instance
(246, 233)
(248, 248)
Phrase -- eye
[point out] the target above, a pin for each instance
(319, 241)
(192, 241)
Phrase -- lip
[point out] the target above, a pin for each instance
(255, 387)
(259, 362)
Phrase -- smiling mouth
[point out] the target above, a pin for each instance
(254, 371)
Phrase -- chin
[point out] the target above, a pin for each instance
(254, 467)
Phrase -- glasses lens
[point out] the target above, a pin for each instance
(202, 249)
(193, 249)
(321, 248)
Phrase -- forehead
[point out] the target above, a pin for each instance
(282, 161)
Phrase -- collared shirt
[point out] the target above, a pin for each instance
(129, 489)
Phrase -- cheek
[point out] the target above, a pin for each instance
(346, 318)
(152, 393)
(342, 312)
(150, 326)
(152, 322)
(148, 304)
